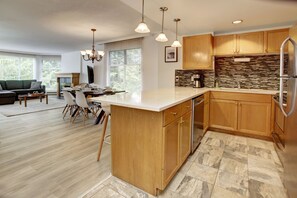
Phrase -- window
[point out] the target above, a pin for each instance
(16, 67)
(50, 66)
(125, 69)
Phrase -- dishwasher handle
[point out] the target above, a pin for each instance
(198, 102)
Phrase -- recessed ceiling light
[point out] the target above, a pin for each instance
(237, 21)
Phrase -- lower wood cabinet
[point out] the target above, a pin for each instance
(171, 155)
(254, 118)
(177, 145)
(223, 114)
(242, 113)
(185, 137)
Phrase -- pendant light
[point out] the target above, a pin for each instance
(176, 43)
(142, 27)
(162, 37)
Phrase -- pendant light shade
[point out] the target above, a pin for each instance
(176, 43)
(142, 27)
(162, 37)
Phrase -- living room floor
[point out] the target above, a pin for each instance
(42, 155)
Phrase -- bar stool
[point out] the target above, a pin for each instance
(107, 115)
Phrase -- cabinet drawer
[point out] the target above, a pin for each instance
(248, 97)
(171, 114)
(186, 107)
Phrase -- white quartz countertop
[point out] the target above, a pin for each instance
(161, 99)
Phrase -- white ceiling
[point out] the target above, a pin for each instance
(55, 26)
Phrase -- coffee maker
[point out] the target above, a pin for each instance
(197, 80)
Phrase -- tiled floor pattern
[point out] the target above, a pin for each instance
(223, 166)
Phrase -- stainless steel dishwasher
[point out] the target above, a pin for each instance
(197, 121)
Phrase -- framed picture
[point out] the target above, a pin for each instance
(170, 54)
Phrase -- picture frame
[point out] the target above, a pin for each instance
(171, 54)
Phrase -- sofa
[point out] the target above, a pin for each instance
(11, 89)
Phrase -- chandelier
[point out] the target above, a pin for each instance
(92, 55)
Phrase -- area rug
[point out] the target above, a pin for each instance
(32, 106)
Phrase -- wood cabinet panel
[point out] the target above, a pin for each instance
(197, 52)
(241, 96)
(223, 114)
(185, 136)
(206, 112)
(171, 114)
(225, 44)
(170, 153)
(186, 107)
(250, 43)
(254, 118)
(274, 39)
(279, 118)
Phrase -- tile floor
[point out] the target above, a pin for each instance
(223, 166)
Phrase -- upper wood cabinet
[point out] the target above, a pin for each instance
(225, 44)
(262, 42)
(250, 43)
(198, 52)
(274, 39)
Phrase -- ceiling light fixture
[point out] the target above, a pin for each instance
(237, 21)
(92, 54)
(176, 43)
(162, 37)
(142, 27)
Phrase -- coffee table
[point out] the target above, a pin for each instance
(33, 96)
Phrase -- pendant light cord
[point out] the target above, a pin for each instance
(142, 11)
(93, 41)
(163, 21)
(176, 30)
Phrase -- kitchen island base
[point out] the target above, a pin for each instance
(148, 147)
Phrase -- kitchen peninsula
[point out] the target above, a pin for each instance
(151, 130)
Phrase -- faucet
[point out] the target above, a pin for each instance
(238, 84)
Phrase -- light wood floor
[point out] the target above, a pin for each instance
(42, 155)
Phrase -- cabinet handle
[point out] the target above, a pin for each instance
(188, 106)
(181, 122)
(174, 113)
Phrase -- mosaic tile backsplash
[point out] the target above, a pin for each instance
(260, 73)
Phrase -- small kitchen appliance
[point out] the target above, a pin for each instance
(197, 80)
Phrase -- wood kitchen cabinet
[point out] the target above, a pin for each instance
(148, 147)
(254, 118)
(262, 42)
(241, 113)
(206, 112)
(273, 40)
(223, 114)
(171, 155)
(225, 44)
(250, 43)
(198, 52)
(185, 136)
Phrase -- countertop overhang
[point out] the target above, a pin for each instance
(161, 99)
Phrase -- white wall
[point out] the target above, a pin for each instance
(150, 58)
(166, 71)
(71, 62)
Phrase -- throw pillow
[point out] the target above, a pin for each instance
(35, 85)
(1, 88)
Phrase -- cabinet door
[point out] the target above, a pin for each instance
(254, 118)
(250, 43)
(170, 154)
(225, 44)
(197, 52)
(223, 114)
(206, 112)
(274, 39)
(185, 136)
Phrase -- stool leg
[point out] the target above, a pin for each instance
(102, 136)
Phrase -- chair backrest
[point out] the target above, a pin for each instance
(70, 100)
(81, 99)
